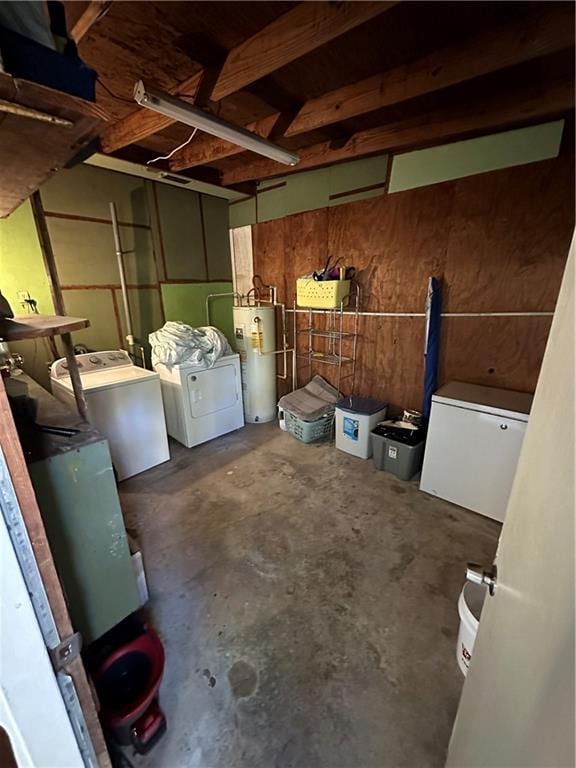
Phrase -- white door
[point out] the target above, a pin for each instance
(517, 707)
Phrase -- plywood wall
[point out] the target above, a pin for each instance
(499, 242)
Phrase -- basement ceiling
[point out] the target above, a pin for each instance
(436, 61)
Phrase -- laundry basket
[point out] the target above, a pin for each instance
(309, 431)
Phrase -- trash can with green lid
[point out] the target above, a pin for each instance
(399, 451)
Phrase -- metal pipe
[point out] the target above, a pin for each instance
(217, 296)
(423, 314)
(120, 260)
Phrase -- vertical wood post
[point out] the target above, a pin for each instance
(58, 299)
(47, 253)
(75, 376)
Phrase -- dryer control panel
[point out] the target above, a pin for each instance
(92, 361)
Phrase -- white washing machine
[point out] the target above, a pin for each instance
(202, 403)
(124, 404)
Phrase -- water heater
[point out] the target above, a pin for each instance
(255, 334)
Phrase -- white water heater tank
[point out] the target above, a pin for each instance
(255, 335)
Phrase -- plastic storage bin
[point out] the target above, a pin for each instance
(356, 417)
(398, 451)
(309, 431)
(321, 294)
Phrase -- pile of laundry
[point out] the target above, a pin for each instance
(177, 343)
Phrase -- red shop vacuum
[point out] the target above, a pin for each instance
(126, 666)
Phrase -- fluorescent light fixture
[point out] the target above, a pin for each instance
(179, 110)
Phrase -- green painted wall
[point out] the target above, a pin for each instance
(22, 269)
(188, 304)
(468, 158)
(365, 178)
(171, 234)
(194, 234)
(309, 190)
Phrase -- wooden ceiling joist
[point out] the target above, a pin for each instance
(297, 32)
(543, 33)
(490, 51)
(502, 110)
(96, 10)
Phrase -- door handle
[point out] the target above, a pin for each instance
(503, 426)
(478, 575)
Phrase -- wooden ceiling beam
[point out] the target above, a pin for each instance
(500, 111)
(543, 33)
(301, 30)
(96, 10)
(294, 34)
(546, 32)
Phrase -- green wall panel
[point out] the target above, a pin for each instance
(146, 313)
(367, 175)
(22, 269)
(21, 265)
(215, 213)
(468, 158)
(181, 231)
(187, 303)
(311, 190)
(242, 213)
(86, 255)
(97, 305)
(88, 191)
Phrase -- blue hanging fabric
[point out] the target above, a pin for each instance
(432, 344)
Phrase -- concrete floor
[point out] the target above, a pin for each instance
(307, 605)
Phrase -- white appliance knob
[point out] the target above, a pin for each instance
(95, 360)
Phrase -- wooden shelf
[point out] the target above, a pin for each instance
(36, 326)
(41, 129)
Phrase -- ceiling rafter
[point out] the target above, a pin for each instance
(96, 10)
(542, 33)
(299, 31)
(499, 111)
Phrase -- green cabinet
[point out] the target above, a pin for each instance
(78, 499)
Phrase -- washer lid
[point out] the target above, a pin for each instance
(111, 377)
